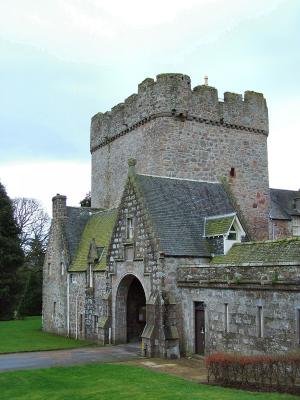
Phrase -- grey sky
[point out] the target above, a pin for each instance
(61, 61)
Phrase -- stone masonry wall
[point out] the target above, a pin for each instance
(55, 283)
(174, 131)
(275, 288)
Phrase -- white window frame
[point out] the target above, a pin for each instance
(296, 226)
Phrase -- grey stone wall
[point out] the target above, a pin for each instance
(174, 131)
(55, 283)
(275, 288)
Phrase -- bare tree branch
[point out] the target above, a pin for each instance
(32, 220)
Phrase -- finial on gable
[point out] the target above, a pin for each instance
(131, 166)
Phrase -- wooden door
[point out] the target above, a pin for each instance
(199, 328)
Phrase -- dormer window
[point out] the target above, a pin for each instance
(232, 235)
(129, 229)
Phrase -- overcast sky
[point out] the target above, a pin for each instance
(62, 61)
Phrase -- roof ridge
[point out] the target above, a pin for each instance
(177, 178)
(261, 242)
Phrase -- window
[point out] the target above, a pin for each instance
(226, 318)
(54, 309)
(260, 322)
(232, 234)
(296, 226)
(129, 228)
(232, 172)
(72, 278)
(96, 323)
(62, 268)
(81, 323)
(90, 276)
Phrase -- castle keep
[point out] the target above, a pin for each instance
(174, 249)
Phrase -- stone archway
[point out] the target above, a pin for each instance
(130, 312)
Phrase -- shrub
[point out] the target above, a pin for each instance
(262, 370)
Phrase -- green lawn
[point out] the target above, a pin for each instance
(113, 381)
(26, 335)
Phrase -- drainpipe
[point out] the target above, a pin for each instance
(76, 313)
(68, 303)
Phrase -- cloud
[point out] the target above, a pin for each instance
(43, 179)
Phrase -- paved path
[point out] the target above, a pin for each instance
(42, 359)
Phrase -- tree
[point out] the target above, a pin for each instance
(11, 256)
(33, 223)
(86, 202)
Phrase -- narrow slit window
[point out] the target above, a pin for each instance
(260, 322)
(226, 318)
(232, 172)
(298, 326)
(90, 276)
(129, 228)
(62, 268)
(96, 323)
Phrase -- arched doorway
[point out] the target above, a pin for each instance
(130, 312)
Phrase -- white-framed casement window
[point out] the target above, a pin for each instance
(226, 318)
(129, 228)
(296, 226)
(260, 322)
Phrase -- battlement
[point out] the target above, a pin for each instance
(171, 96)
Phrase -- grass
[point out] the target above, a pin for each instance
(27, 335)
(113, 381)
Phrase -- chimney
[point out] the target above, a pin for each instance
(59, 206)
(206, 80)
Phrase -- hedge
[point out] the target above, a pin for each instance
(261, 370)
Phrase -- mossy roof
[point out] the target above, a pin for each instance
(99, 227)
(218, 226)
(270, 251)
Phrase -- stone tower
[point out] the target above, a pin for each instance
(173, 130)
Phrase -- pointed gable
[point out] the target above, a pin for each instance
(177, 209)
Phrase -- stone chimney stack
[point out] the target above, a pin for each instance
(59, 206)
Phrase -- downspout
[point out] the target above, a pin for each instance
(68, 304)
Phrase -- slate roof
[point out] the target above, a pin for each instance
(282, 203)
(177, 208)
(77, 218)
(270, 251)
(218, 226)
(99, 227)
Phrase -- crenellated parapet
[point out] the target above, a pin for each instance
(171, 96)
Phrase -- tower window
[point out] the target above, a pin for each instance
(232, 172)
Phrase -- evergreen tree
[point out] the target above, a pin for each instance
(11, 256)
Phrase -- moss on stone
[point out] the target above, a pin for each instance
(99, 227)
(269, 251)
(218, 226)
